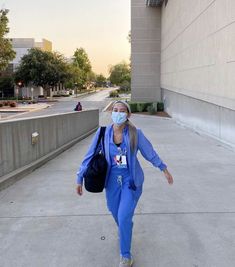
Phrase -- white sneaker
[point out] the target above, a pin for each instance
(125, 262)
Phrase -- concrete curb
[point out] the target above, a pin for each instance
(107, 107)
(12, 177)
(23, 111)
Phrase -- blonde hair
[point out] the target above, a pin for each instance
(131, 126)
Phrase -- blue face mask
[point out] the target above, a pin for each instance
(119, 117)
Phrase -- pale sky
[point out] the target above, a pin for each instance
(99, 26)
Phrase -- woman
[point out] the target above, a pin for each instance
(78, 107)
(124, 179)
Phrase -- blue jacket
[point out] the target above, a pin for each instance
(136, 172)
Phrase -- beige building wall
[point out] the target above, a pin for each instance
(198, 65)
(45, 45)
(198, 50)
(146, 50)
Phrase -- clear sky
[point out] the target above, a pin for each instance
(99, 26)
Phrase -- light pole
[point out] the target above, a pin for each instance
(76, 89)
(17, 93)
(17, 90)
(32, 89)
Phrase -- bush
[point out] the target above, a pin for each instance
(160, 106)
(6, 103)
(1, 104)
(142, 106)
(13, 104)
(152, 109)
(133, 106)
(113, 94)
(40, 96)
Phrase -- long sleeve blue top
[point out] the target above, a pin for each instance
(136, 172)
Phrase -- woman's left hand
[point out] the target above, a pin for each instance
(168, 176)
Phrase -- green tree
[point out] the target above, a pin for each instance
(6, 86)
(81, 60)
(6, 52)
(120, 74)
(100, 78)
(73, 77)
(42, 68)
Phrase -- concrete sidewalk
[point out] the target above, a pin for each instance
(190, 224)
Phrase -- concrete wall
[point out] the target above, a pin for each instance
(145, 51)
(198, 64)
(55, 131)
(202, 116)
(198, 50)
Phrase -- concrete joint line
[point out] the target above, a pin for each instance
(107, 214)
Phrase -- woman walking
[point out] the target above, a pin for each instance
(124, 179)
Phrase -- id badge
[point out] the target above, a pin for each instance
(121, 161)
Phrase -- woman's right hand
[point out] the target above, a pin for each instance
(79, 189)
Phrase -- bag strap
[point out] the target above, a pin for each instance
(101, 136)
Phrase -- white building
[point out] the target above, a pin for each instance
(183, 52)
(21, 46)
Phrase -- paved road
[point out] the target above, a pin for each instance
(67, 104)
(190, 224)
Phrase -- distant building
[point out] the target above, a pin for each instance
(22, 46)
(183, 53)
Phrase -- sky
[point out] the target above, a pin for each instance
(99, 26)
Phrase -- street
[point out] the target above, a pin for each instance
(67, 104)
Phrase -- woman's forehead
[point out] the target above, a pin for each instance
(120, 105)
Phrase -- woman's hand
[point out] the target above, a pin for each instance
(79, 189)
(168, 176)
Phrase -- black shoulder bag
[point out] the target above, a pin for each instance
(95, 174)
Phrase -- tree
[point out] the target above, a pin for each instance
(120, 74)
(100, 78)
(81, 60)
(42, 68)
(6, 86)
(74, 77)
(6, 52)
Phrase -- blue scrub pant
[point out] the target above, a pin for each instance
(121, 201)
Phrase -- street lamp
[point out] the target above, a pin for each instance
(76, 89)
(17, 90)
(32, 89)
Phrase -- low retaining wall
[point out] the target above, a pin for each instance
(21, 153)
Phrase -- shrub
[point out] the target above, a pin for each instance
(113, 94)
(152, 109)
(40, 96)
(160, 106)
(13, 104)
(6, 103)
(142, 106)
(133, 106)
(1, 104)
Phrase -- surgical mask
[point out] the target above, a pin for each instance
(119, 117)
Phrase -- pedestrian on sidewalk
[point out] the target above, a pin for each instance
(78, 107)
(125, 177)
